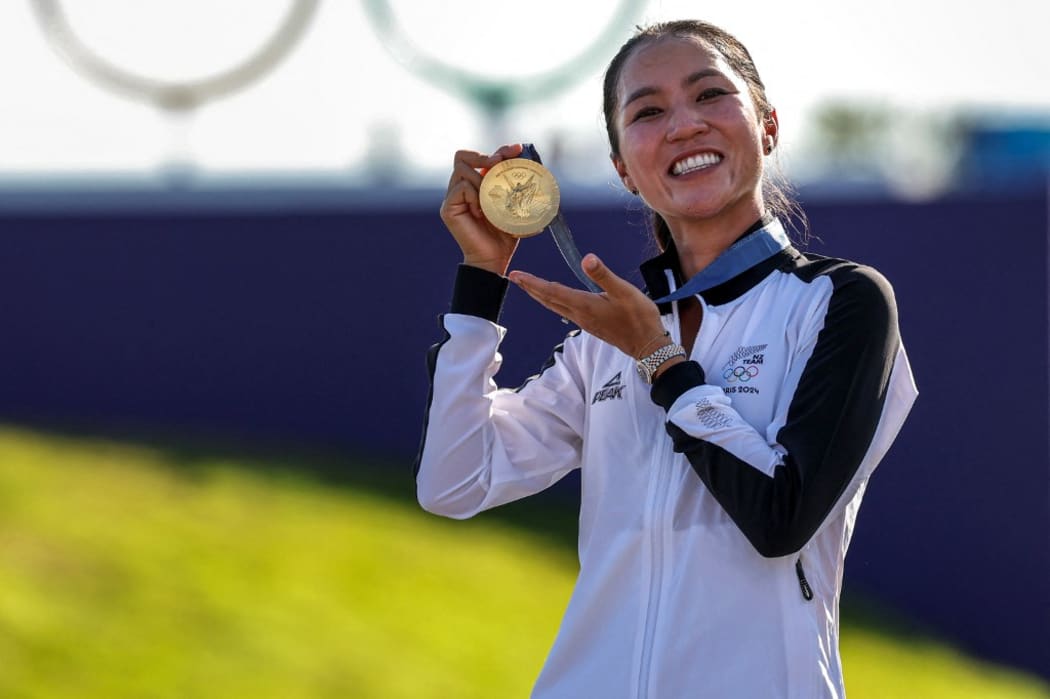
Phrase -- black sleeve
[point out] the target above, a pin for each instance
(831, 420)
(478, 292)
(475, 292)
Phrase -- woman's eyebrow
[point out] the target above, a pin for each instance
(691, 79)
(700, 75)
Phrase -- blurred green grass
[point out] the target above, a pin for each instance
(164, 573)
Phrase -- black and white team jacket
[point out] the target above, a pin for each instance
(716, 507)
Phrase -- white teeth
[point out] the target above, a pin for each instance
(695, 162)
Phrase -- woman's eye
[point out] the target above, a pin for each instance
(710, 93)
(646, 112)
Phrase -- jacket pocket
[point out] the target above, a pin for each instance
(803, 584)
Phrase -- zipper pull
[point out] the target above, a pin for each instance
(807, 591)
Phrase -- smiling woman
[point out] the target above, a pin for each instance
(729, 97)
(725, 421)
(690, 142)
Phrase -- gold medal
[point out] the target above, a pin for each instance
(520, 197)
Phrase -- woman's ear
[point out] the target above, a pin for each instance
(771, 127)
(621, 170)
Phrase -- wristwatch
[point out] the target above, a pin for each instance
(648, 365)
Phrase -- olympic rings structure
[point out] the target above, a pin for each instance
(497, 94)
(183, 95)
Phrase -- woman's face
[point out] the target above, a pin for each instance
(691, 141)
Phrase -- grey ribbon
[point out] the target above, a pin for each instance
(561, 233)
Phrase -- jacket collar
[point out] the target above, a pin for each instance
(654, 272)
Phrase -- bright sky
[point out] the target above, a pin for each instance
(340, 90)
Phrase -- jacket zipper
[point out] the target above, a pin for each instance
(807, 591)
(656, 579)
(659, 501)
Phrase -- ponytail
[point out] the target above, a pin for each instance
(660, 231)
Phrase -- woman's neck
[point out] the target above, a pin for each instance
(699, 242)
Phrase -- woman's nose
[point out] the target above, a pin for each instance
(685, 123)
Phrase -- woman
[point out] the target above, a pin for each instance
(717, 502)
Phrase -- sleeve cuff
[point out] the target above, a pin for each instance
(478, 292)
(675, 381)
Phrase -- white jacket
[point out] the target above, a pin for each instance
(716, 508)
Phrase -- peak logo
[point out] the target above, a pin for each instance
(612, 390)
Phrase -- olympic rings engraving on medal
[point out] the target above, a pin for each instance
(743, 374)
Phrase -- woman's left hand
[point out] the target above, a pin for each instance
(621, 315)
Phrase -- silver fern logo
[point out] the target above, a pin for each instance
(743, 368)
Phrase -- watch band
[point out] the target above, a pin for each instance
(648, 365)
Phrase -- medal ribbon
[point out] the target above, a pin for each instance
(560, 232)
(742, 255)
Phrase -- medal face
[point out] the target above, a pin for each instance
(519, 196)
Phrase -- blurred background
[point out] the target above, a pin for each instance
(221, 265)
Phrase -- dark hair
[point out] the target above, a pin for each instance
(776, 191)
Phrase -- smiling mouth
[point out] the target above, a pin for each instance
(695, 162)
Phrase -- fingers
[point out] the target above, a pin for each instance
(569, 303)
(479, 161)
(511, 150)
(546, 292)
(506, 152)
(622, 315)
(463, 187)
(468, 169)
(465, 180)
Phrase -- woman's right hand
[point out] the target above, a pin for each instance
(483, 244)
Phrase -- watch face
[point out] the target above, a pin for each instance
(642, 372)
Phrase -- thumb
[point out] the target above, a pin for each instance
(601, 274)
